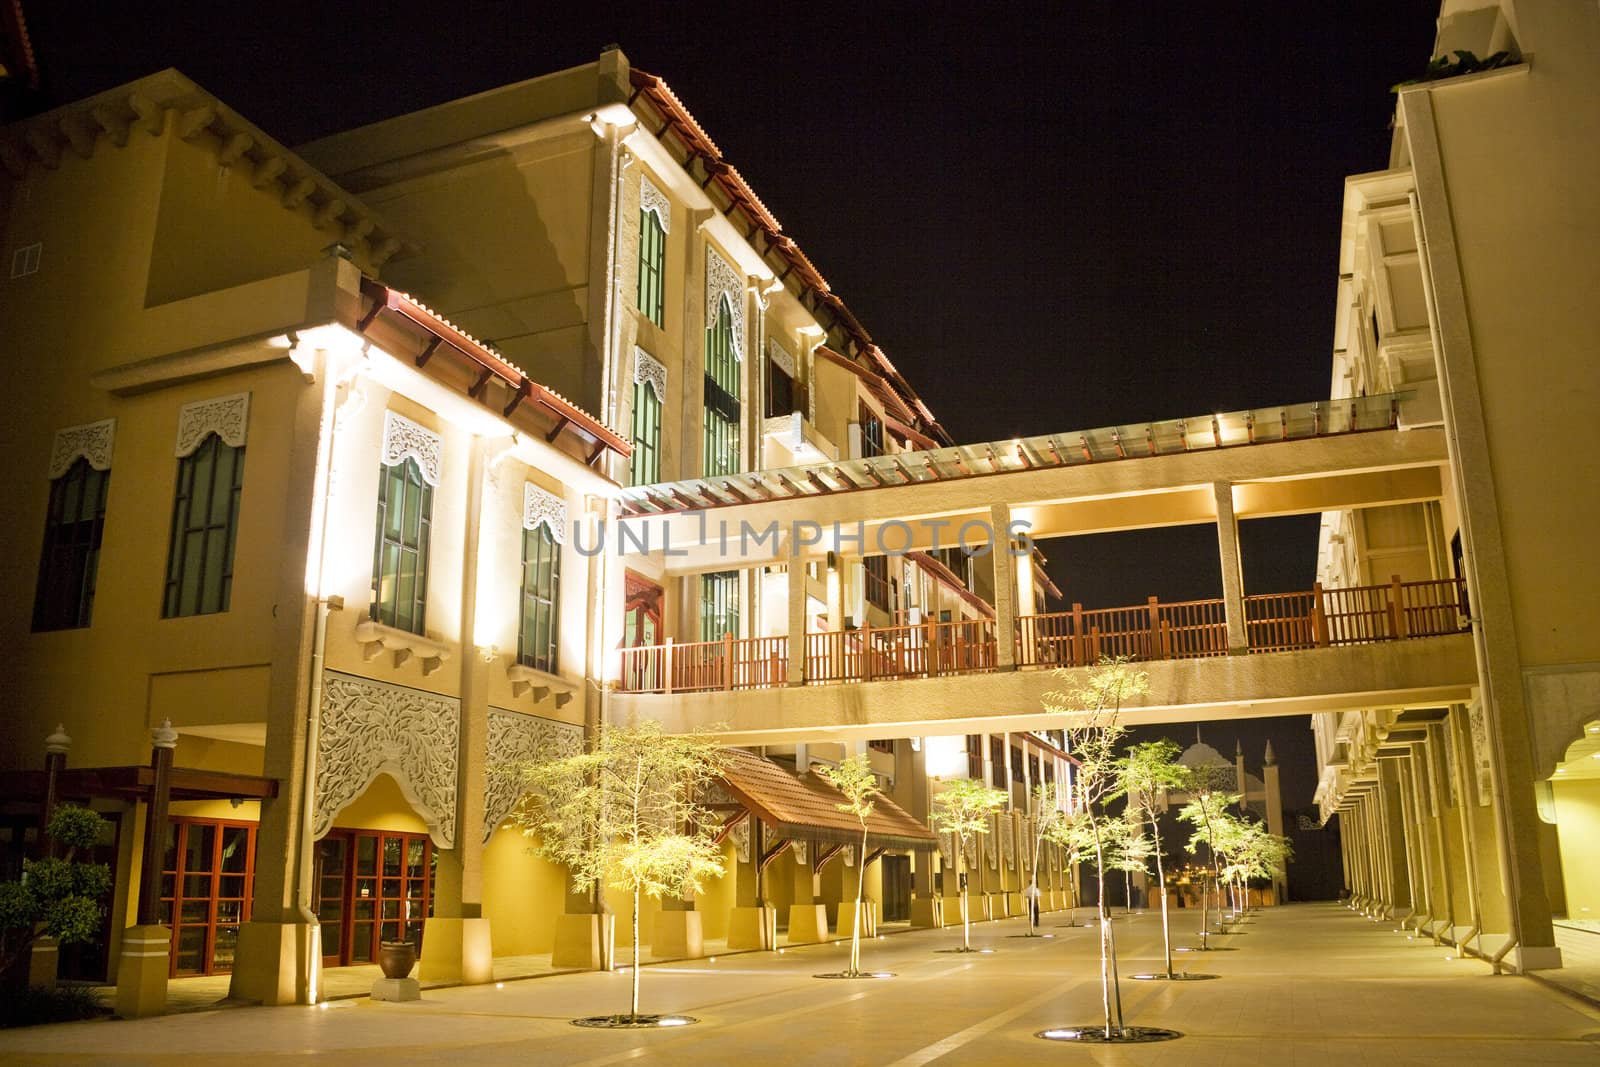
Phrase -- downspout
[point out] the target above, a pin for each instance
(305, 888)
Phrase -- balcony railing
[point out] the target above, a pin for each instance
(1274, 622)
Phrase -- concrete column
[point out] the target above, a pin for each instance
(835, 578)
(797, 621)
(1005, 588)
(1026, 600)
(1394, 856)
(1269, 777)
(146, 947)
(278, 959)
(808, 919)
(456, 939)
(1232, 570)
(1481, 826)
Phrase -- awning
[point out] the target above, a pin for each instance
(807, 808)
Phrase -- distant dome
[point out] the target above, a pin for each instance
(1201, 754)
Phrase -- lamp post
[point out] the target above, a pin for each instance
(55, 761)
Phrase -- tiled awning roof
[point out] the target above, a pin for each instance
(807, 808)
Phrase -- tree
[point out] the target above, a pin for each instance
(1144, 776)
(853, 777)
(1207, 811)
(962, 809)
(1095, 709)
(1128, 849)
(628, 814)
(1047, 816)
(58, 897)
(1069, 831)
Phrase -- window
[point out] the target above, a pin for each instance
(719, 605)
(652, 266)
(871, 433)
(997, 762)
(400, 557)
(644, 465)
(975, 757)
(72, 528)
(722, 395)
(541, 599)
(1016, 764)
(780, 391)
(205, 522)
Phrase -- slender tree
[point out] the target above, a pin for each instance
(1047, 816)
(1094, 709)
(1129, 849)
(57, 896)
(1145, 776)
(628, 814)
(962, 809)
(1069, 831)
(1208, 805)
(854, 779)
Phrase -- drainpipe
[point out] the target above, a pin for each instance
(305, 887)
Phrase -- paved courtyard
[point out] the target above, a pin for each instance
(1308, 984)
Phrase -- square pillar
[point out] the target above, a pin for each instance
(797, 621)
(1005, 587)
(1232, 570)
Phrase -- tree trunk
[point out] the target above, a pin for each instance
(1161, 887)
(861, 882)
(635, 975)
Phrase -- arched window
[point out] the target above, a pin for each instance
(205, 524)
(71, 553)
(722, 395)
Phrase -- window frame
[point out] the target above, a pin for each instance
(72, 562)
(644, 463)
(541, 655)
(720, 456)
(211, 450)
(719, 604)
(409, 473)
(651, 291)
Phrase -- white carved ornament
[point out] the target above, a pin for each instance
(947, 849)
(516, 739)
(91, 441)
(650, 371)
(540, 506)
(653, 200)
(226, 416)
(723, 281)
(799, 852)
(368, 728)
(403, 439)
(781, 357)
(741, 841)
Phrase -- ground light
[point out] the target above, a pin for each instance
(1097, 1034)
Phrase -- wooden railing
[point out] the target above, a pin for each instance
(1274, 622)
(731, 663)
(913, 650)
(1153, 630)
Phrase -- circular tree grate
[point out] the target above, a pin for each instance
(633, 1022)
(1178, 976)
(1096, 1035)
(847, 976)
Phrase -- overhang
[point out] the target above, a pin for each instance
(807, 808)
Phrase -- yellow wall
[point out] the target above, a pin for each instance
(1578, 824)
(522, 895)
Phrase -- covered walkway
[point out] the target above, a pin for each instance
(1308, 983)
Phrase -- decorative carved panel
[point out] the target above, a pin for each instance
(1480, 752)
(403, 439)
(515, 738)
(651, 371)
(741, 841)
(655, 201)
(368, 728)
(723, 281)
(226, 416)
(781, 357)
(91, 441)
(541, 506)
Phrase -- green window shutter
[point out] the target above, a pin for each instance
(205, 525)
(400, 554)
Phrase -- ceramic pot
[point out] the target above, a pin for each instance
(397, 958)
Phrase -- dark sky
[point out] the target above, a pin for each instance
(1050, 216)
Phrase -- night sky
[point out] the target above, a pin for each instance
(1051, 217)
